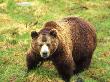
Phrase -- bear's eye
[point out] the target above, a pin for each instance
(48, 44)
(40, 45)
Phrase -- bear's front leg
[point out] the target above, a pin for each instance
(65, 67)
(32, 60)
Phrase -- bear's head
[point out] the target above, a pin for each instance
(45, 44)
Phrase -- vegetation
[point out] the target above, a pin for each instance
(15, 27)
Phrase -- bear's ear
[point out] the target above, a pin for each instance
(34, 34)
(53, 32)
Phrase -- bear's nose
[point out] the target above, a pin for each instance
(44, 54)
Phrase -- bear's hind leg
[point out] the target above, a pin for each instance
(83, 64)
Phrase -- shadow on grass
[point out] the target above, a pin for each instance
(43, 74)
(3, 11)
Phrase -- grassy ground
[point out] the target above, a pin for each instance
(16, 25)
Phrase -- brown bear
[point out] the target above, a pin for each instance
(69, 43)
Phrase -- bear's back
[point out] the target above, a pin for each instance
(83, 37)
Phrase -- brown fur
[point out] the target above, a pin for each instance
(77, 42)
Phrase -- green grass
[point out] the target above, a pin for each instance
(15, 38)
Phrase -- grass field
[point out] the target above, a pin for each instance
(15, 27)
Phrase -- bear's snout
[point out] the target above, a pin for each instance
(44, 51)
(45, 54)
